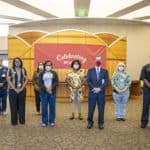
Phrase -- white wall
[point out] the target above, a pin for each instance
(3, 43)
(138, 36)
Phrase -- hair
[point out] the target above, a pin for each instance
(40, 63)
(47, 61)
(13, 63)
(76, 61)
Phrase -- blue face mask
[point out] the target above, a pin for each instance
(17, 64)
(121, 68)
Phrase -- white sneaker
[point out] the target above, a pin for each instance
(4, 113)
(44, 125)
(52, 124)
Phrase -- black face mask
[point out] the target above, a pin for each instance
(17, 64)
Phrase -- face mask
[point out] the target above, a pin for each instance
(76, 66)
(121, 68)
(48, 68)
(40, 67)
(98, 63)
(17, 64)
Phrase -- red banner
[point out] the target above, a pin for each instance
(62, 55)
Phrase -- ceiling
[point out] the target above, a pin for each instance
(22, 11)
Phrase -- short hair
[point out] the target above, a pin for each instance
(47, 61)
(76, 61)
(13, 63)
(100, 58)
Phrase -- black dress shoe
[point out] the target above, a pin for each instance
(89, 126)
(143, 125)
(101, 126)
(123, 119)
(118, 119)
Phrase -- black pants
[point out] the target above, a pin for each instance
(3, 101)
(37, 100)
(17, 106)
(146, 107)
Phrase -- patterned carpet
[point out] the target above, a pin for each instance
(73, 135)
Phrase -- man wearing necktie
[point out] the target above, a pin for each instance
(97, 78)
(97, 73)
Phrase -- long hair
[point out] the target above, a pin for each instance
(13, 63)
(40, 63)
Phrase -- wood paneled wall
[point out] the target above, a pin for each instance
(22, 45)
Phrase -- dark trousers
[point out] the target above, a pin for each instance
(146, 107)
(3, 102)
(92, 100)
(37, 100)
(17, 106)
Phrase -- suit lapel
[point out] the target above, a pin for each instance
(94, 71)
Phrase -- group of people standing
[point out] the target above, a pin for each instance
(45, 81)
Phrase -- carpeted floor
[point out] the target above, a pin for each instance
(73, 135)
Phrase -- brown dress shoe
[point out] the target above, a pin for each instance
(72, 116)
(80, 117)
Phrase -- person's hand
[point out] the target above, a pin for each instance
(96, 90)
(118, 90)
(1, 85)
(49, 90)
(123, 90)
(78, 87)
(36, 87)
(18, 90)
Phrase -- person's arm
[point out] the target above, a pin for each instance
(33, 78)
(26, 80)
(146, 82)
(1, 84)
(68, 80)
(83, 78)
(55, 81)
(11, 85)
(128, 83)
(89, 80)
(4, 82)
(113, 82)
(143, 77)
(41, 83)
(36, 85)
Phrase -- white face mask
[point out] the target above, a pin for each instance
(121, 68)
(41, 67)
(48, 68)
(76, 66)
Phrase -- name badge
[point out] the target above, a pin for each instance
(121, 80)
(18, 85)
(3, 75)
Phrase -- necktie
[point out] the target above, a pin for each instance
(97, 73)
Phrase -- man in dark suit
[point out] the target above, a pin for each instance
(97, 79)
(145, 77)
(3, 87)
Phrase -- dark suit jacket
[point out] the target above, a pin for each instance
(93, 82)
